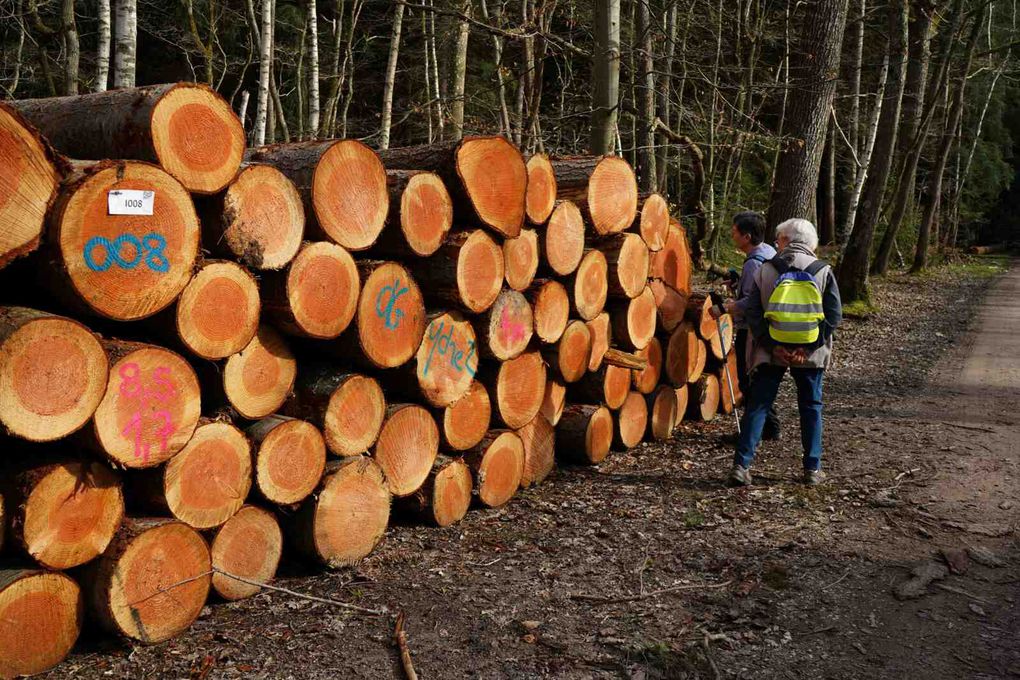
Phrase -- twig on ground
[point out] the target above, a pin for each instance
(311, 598)
(839, 580)
(400, 638)
(652, 593)
(961, 591)
(905, 473)
(974, 428)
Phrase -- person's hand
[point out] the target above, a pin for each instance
(731, 307)
(798, 356)
(781, 355)
(715, 311)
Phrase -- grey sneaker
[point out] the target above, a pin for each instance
(814, 477)
(740, 476)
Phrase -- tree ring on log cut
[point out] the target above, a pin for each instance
(407, 448)
(539, 439)
(40, 618)
(349, 194)
(591, 285)
(480, 270)
(289, 462)
(322, 288)
(498, 468)
(426, 213)
(53, 374)
(249, 545)
(451, 493)
(218, 312)
(71, 513)
(197, 137)
(551, 310)
(681, 358)
(601, 334)
(520, 389)
(258, 379)
(646, 380)
(640, 320)
(263, 217)
(563, 245)
(509, 326)
(654, 222)
(705, 402)
(585, 433)
(722, 341)
(150, 409)
(541, 194)
(28, 183)
(681, 402)
(662, 412)
(466, 420)
(520, 256)
(574, 351)
(628, 269)
(616, 386)
(554, 400)
(632, 420)
(354, 416)
(351, 513)
(495, 179)
(391, 316)
(670, 304)
(612, 195)
(672, 264)
(126, 267)
(447, 359)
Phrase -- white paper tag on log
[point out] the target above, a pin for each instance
(130, 202)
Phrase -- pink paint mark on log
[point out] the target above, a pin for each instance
(514, 330)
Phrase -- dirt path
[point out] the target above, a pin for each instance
(648, 567)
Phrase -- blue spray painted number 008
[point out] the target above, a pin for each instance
(150, 249)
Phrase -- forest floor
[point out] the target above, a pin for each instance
(649, 567)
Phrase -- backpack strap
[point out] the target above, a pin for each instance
(780, 264)
(757, 257)
(816, 266)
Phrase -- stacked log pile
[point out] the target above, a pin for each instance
(422, 329)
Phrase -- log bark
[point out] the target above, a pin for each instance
(569, 357)
(631, 421)
(540, 198)
(539, 439)
(646, 380)
(662, 412)
(249, 545)
(498, 465)
(550, 309)
(53, 374)
(584, 434)
(446, 361)
(420, 217)
(628, 259)
(653, 222)
(634, 321)
(390, 318)
(217, 313)
(601, 329)
(407, 447)
(670, 305)
(520, 257)
(589, 285)
(672, 264)
(342, 184)
(563, 242)
(608, 385)
(445, 496)
(35, 641)
(289, 459)
(704, 400)
(699, 314)
(685, 355)
(347, 407)
(466, 272)
(603, 187)
(465, 421)
(506, 328)
(554, 400)
(629, 360)
(519, 387)
(186, 128)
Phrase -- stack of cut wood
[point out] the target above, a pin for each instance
(433, 325)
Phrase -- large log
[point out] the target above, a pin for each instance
(406, 448)
(672, 264)
(721, 343)
(317, 295)
(605, 187)
(704, 401)
(421, 214)
(601, 329)
(257, 380)
(589, 285)
(519, 388)
(539, 439)
(122, 266)
(289, 460)
(631, 421)
(540, 198)
(53, 374)
(465, 421)
(42, 617)
(682, 398)
(569, 357)
(346, 517)
(608, 385)
(150, 409)
(662, 412)
(550, 309)
(563, 242)
(390, 318)
(249, 546)
(653, 222)
(520, 259)
(486, 176)
(152, 582)
(347, 407)
(447, 359)
(186, 128)
(342, 184)
(584, 433)
(466, 272)
(670, 304)
(627, 257)
(699, 313)
(646, 379)
(259, 220)
(498, 464)
(634, 321)
(29, 175)
(683, 355)
(218, 311)
(445, 496)
(506, 328)
(554, 400)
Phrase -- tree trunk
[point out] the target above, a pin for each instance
(347, 407)
(391, 77)
(606, 76)
(313, 68)
(21, 591)
(498, 465)
(218, 311)
(460, 75)
(563, 243)
(126, 45)
(646, 108)
(72, 49)
(569, 357)
(407, 447)
(466, 272)
(827, 228)
(102, 46)
(248, 546)
(520, 259)
(445, 496)
(541, 193)
(631, 421)
(585, 433)
(466, 420)
(289, 460)
(589, 285)
(604, 188)
(262, 119)
(664, 90)
(518, 388)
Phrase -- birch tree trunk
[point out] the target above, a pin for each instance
(102, 47)
(497, 44)
(664, 103)
(126, 48)
(606, 88)
(265, 73)
(313, 68)
(391, 77)
(646, 112)
(72, 48)
(460, 75)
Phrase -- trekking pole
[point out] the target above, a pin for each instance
(726, 370)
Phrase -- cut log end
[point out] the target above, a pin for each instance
(391, 316)
(322, 291)
(563, 243)
(450, 496)
(541, 194)
(585, 433)
(218, 311)
(249, 545)
(550, 309)
(197, 137)
(654, 222)
(685, 355)
(573, 352)
(631, 421)
(646, 380)
(53, 374)
(601, 335)
(672, 264)
(480, 271)
(350, 513)
(498, 463)
(447, 359)
(700, 315)
(495, 179)
(407, 448)
(520, 258)
(539, 439)
(290, 461)
(554, 400)
(466, 420)
(258, 379)
(591, 285)
(628, 259)
(520, 389)
(721, 343)
(682, 397)
(263, 219)
(508, 326)
(612, 195)
(40, 619)
(354, 415)
(634, 325)
(662, 413)
(426, 213)
(670, 304)
(349, 194)
(704, 401)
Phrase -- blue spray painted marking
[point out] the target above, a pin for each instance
(444, 343)
(391, 316)
(150, 249)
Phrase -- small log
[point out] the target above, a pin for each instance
(609, 385)
(539, 439)
(670, 305)
(634, 321)
(554, 400)
(550, 309)
(390, 318)
(466, 420)
(627, 257)
(498, 464)
(63, 512)
(520, 258)
(447, 359)
(702, 361)
(289, 459)
(631, 421)
(519, 386)
(633, 361)
(563, 242)
(604, 186)
(150, 409)
(682, 397)
(683, 354)
(662, 412)
(466, 272)
(421, 214)
(342, 184)
(646, 380)
(217, 313)
(341, 523)
(29, 174)
(486, 176)
(569, 357)
(259, 220)
(704, 401)
(42, 617)
(53, 374)
(249, 545)
(445, 496)
(187, 128)
(601, 330)
(672, 264)
(653, 222)
(731, 367)
(347, 407)
(721, 343)
(507, 326)
(317, 296)
(257, 380)
(584, 434)
(540, 198)
(726, 404)
(699, 313)
(152, 582)
(589, 285)
(406, 448)
(122, 267)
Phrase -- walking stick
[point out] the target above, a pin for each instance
(726, 370)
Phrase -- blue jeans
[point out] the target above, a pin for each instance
(764, 387)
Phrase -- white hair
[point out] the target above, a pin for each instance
(799, 231)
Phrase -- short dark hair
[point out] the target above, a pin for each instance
(751, 224)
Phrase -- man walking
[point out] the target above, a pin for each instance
(792, 313)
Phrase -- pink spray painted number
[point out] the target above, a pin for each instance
(145, 396)
(515, 330)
